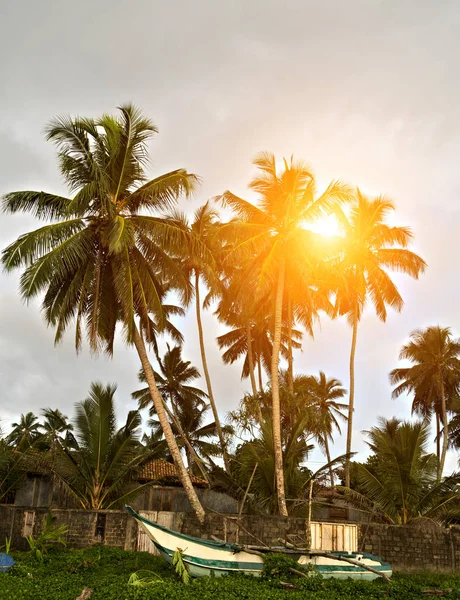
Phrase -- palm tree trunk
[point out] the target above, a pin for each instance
(190, 451)
(290, 357)
(206, 372)
(438, 438)
(351, 403)
(276, 412)
(251, 360)
(166, 427)
(445, 433)
(259, 370)
(328, 456)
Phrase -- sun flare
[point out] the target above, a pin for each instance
(326, 226)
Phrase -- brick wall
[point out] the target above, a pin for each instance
(410, 548)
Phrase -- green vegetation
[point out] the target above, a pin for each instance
(50, 535)
(109, 572)
(399, 483)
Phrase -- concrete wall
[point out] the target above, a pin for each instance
(174, 499)
(409, 548)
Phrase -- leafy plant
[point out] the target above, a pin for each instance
(51, 535)
(181, 569)
(281, 566)
(7, 545)
(143, 578)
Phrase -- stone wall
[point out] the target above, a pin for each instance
(414, 547)
(410, 548)
(82, 526)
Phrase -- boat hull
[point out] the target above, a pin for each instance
(208, 558)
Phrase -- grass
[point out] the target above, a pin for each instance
(64, 573)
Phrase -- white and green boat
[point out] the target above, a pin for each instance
(203, 557)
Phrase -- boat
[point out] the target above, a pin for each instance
(204, 557)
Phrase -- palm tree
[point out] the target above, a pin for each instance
(370, 248)
(433, 378)
(199, 268)
(405, 485)
(99, 469)
(191, 416)
(258, 456)
(172, 381)
(254, 343)
(56, 427)
(325, 395)
(101, 260)
(26, 432)
(274, 235)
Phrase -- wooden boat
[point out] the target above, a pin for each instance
(203, 557)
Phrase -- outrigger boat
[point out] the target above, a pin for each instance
(204, 557)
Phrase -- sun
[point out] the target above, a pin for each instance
(326, 226)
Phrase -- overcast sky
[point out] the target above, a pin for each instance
(365, 90)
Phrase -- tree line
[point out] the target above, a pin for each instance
(118, 257)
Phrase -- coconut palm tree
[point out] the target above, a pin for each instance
(253, 342)
(370, 249)
(433, 379)
(200, 269)
(99, 469)
(405, 485)
(325, 393)
(192, 415)
(101, 260)
(56, 427)
(172, 381)
(273, 233)
(26, 432)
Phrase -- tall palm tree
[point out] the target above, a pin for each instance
(273, 233)
(26, 432)
(405, 485)
(99, 469)
(200, 269)
(433, 379)
(101, 260)
(370, 249)
(325, 394)
(245, 315)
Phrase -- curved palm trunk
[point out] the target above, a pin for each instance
(276, 412)
(166, 427)
(328, 456)
(351, 398)
(190, 451)
(290, 357)
(445, 433)
(251, 360)
(206, 373)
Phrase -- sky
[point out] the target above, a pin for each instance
(365, 91)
